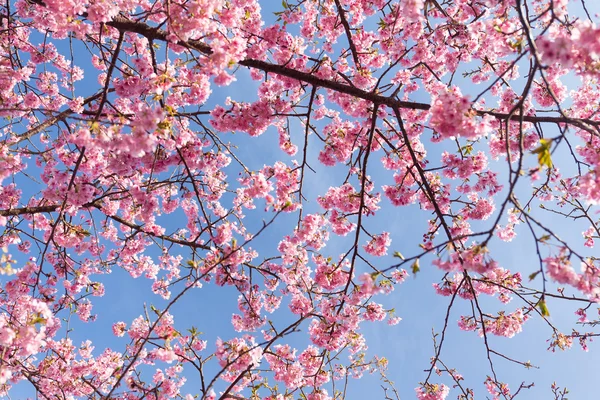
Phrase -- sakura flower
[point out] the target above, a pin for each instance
(432, 392)
(378, 245)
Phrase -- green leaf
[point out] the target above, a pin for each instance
(170, 110)
(38, 320)
(543, 308)
(543, 152)
(532, 276)
(415, 267)
(516, 45)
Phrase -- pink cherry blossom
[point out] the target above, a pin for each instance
(178, 172)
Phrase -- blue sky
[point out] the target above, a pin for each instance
(408, 346)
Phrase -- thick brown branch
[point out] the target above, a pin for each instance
(143, 29)
(347, 29)
(13, 212)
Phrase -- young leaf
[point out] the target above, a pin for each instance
(415, 267)
(543, 308)
(543, 152)
(533, 275)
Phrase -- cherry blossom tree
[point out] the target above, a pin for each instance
(251, 150)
